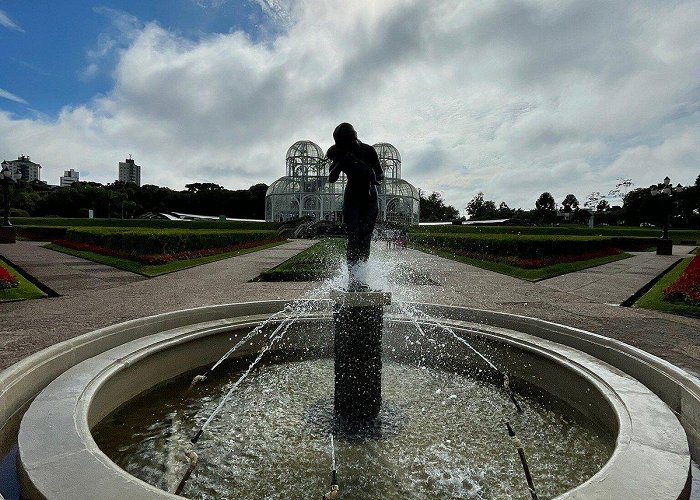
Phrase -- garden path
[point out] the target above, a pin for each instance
(62, 273)
(29, 326)
(617, 281)
(671, 337)
(26, 327)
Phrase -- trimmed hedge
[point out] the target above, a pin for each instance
(40, 233)
(140, 223)
(163, 241)
(677, 235)
(529, 246)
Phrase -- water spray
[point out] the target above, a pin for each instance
(288, 317)
(193, 463)
(239, 381)
(519, 446)
(432, 321)
(334, 492)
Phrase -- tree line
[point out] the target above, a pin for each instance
(618, 206)
(127, 200)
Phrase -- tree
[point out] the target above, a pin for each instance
(433, 209)
(602, 206)
(203, 187)
(480, 209)
(504, 211)
(545, 208)
(570, 203)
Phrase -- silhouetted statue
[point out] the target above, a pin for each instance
(361, 166)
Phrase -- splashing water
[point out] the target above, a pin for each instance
(267, 427)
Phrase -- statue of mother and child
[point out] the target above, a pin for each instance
(363, 172)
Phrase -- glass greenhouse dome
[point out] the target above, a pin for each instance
(306, 192)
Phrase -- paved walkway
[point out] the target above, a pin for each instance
(671, 337)
(580, 299)
(29, 326)
(615, 282)
(63, 273)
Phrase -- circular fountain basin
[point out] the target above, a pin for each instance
(59, 458)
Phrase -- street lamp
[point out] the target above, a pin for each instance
(665, 245)
(6, 176)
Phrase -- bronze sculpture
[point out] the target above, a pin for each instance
(360, 164)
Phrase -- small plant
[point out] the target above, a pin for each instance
(686, 289)
(7, 280)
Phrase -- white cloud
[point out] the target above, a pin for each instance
(9, 23)
(507, 98)
(4, 94)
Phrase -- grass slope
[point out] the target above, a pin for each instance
(526, 274)
(155, 270)
(654, 298)
(313, 264)
(24, 291)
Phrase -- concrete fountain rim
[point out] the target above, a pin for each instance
(67, 400)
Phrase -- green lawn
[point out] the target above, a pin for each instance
(525, 274)
(24, 291)
(155, 270)
(654, 298)
(315, 263)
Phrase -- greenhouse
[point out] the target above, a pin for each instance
(305, 191)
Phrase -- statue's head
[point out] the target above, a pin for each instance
(344, 135)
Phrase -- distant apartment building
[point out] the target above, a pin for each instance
(129, 171)
(69, 177)
(30, 171)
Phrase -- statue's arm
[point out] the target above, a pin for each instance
(334, 172)
(376, 167)
(335, 169)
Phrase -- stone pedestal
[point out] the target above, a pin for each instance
(8, 234)
(358, 319)
(664, 246)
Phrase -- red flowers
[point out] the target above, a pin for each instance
(686, 289)
(156, 259)
(7, 280)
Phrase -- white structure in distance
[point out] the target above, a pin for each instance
(69, 177)
(129, 171)
(29, 170)
(306, 192)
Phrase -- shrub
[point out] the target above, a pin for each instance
(535, 247)
(163, 258)
(147, 241)
(156, 259)
(686, 288)
(525, 263)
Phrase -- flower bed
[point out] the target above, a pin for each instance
(534, 263)
(686, 289)
(529, 250)
(7, 280)
(162, 258)
(148, 241)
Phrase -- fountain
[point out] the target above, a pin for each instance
(266, 409)
(396, 399)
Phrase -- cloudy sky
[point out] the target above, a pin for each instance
(511, 98)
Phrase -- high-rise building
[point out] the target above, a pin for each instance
(30, 171)
(69, 177)
(129, 171)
